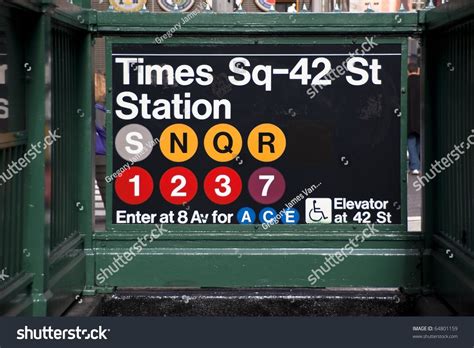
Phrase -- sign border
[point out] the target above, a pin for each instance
(255, 231)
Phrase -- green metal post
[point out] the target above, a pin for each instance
(403, 130)
(428, 150)
(37, 86)
(85, 156)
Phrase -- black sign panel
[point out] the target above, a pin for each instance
(250, 134)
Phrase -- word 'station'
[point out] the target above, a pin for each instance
(205, 138)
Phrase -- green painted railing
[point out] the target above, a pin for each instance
(449, 151)
(11, 206)
(13, 146)
(65, 117)
(45, 209)
(454, 124)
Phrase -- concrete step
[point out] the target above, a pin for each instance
(253, 302)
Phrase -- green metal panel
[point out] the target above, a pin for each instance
(260, 267)
(380, 263)
(115, 23)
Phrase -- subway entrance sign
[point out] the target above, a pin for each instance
(256, 134)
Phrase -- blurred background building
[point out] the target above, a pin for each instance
(262, 5)
(282, 5)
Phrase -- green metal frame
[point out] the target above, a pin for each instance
(208, 255)
(252, 232)
(391, 24)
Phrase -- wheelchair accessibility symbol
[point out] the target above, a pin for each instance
(318, 210)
